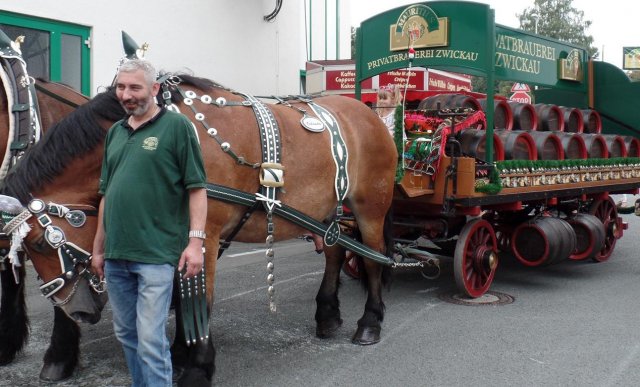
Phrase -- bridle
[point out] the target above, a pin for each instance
(74, 260)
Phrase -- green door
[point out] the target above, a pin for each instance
(53, 50)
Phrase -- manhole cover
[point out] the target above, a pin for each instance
(489, 298)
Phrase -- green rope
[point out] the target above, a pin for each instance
(398, 137)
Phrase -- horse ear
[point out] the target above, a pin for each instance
(130, 46)
(10, 205)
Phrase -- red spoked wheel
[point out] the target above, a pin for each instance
(476, 258)
(605, 210)
(350, 266)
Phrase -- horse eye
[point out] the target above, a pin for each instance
(39, 245)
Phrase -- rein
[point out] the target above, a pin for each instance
(74, 260)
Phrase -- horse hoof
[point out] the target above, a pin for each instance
(194, 377)
(327, 329)
(366, 336)
(178, 371)
(6, 359)
(54, 372)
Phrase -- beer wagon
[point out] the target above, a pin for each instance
(483, 175)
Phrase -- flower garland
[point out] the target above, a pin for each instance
(398, 138)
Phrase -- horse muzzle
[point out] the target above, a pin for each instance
(86, 305)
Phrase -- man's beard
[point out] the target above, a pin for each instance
(141, 106)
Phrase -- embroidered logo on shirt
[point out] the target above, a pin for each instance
(150, 143)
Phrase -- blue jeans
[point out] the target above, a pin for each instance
(140, 296)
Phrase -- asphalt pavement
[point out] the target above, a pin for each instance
(571, 324)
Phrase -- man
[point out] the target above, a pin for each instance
(151, 220)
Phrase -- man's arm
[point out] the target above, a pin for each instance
(97, 258)
(192, 257)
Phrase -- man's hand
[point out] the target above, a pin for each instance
(97, 265)
(192, 258)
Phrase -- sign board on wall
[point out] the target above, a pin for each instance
(399, 77)
(631, 58)
(343, 80)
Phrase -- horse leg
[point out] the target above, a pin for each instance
(374, 278)
(63, 353)
(14, 323)
(194, 365)
(327, 303)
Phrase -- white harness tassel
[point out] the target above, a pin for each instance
(17, 236)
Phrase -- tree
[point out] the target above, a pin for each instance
(558, 19)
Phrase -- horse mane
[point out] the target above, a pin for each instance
(72, 137)
(197, 82)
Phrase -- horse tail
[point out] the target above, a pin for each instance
(14, 323)
(388, 242)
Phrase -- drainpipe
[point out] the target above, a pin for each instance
(337, 29)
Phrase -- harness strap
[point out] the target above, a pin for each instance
(227, 241)
(234, 196)
(270, 142)
(56, 96)
(24, 115)
(341, 159)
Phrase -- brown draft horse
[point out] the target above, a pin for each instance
(309, 188)
(56, 101)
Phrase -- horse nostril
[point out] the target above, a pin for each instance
(89, 318)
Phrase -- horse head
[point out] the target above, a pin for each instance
(39, 230)
(49, 207)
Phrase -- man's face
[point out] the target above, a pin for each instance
(134, 93)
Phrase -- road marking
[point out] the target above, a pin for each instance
(264, 287)
(261, 251)
(622, 368)
(247, 253)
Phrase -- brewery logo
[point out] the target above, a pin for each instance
(571, 67)
(418, 26)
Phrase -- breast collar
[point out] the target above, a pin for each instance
(125, 122)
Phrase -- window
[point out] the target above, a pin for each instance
(53, 50)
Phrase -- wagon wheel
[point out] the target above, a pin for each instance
(350, 266)
(605, 210)
(476, 258)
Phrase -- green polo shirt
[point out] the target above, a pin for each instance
(146, 175)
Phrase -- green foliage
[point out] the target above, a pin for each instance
(398, 138)
(558, 19)
(505, 165)
(479, 85)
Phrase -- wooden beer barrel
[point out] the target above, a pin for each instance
(596, 145)
(615, 145)
(591, 121)
(548, 145)
(543, 241)
(550, 117)
(518, 144)
(573, 121)
(449, 101)
(633, 146)
(590, 235)
(473, 143)
(524, 116)
(573, 145)
(502, 114)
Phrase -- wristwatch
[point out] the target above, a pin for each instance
(197, 234)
